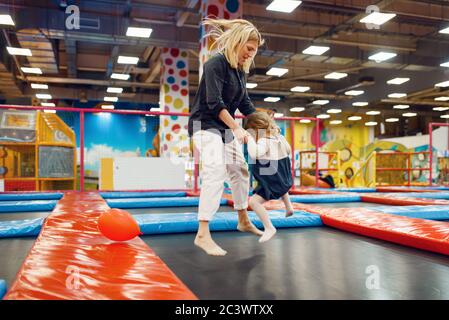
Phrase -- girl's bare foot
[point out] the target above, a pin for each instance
(288, 213)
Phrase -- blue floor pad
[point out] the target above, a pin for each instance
(360, 189)
(27, 206)
(2, 288)
(156, 202)
(30, 196)
(325, 198)
(440, 213)
(154, 194)
(222, 221)
(175, 223)
(21, 228)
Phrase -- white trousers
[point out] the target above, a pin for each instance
(218, 161)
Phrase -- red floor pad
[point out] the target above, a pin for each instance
(310, 191)
(401, 189)
(418, 233)
(72, 260)
(193, 193)
(402, 201)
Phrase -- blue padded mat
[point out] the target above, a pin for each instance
(176, 223)
(21, 228)
(30, 196)
(325, 198)
(27, 206)
(2, 288)
(156, 202)
(223, 221)
(440, 213)
(158, 194)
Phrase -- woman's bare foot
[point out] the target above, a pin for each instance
(288, 213)
(247, 226)
(267, 235)
(207, 244)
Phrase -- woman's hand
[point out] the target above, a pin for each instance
(240, 134)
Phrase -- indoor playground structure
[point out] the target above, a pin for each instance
(104, 156)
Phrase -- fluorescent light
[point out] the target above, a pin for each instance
(48, 104)
(49, 111)
(297, 109)
(373, 113)
(445, 64)
(320, 102)
(392, 120)
(378, 18)
(278, 115)
(360, 104)
(370, 123)
(397, 95)
(315, 50)
(19, 51)
(335, 122)
(286, 6)
(43, 96)
(305, 121)
(250, 85)
(110, 99)
(440, 108)
(114, 90)
(401, 106)
(107, 107)
(271, 99)
(31, 70)
(398, 81)
(323, 116)
(354, 92)
(442, 99)
(139, 32)
(277, 72)
(409, 114)
(300, 89)
(127, 60)
(39, 86)
(6, 19)
(442, 84)
(445, 116)
(333, 111)
(446, 30)
(120, 76)
(336, 75)
(354, 118)
(382, 56)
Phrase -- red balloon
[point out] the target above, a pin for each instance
(118, 225)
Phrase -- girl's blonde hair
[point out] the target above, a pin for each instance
(259, 121)
(230, 36)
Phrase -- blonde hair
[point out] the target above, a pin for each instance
(261, 121)
(230, 36)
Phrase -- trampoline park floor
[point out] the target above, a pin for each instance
(298, 263)
(303, 264)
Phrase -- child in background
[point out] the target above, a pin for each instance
(271, 167)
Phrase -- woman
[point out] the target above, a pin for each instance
(216, 134)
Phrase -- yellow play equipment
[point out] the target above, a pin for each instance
(37, 152)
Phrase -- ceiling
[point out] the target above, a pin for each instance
(77, 64)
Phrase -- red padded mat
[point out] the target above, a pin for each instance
(72, 260)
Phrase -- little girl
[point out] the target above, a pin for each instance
(271, 168)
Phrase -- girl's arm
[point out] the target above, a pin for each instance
(257, 150)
